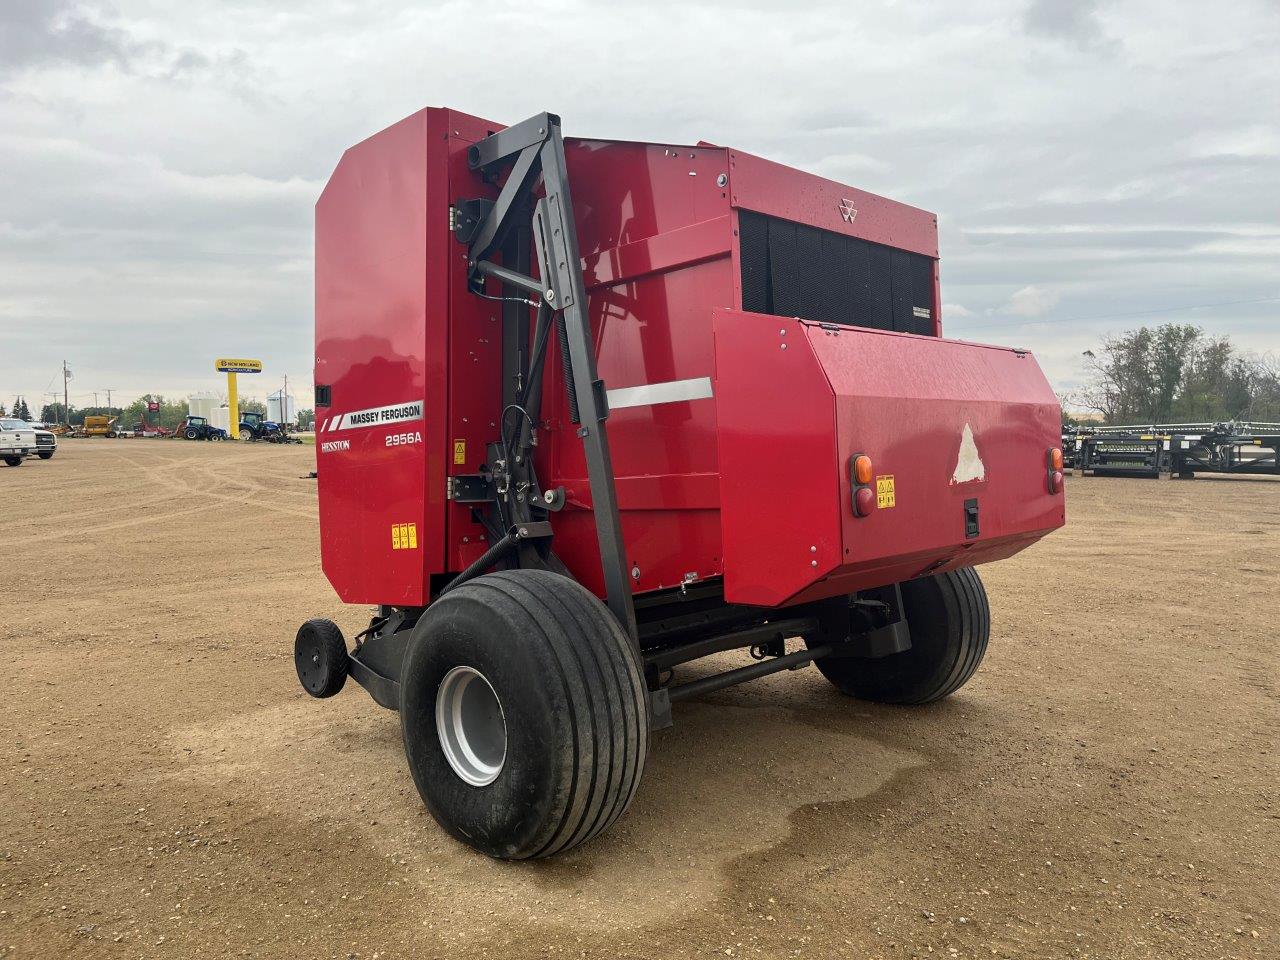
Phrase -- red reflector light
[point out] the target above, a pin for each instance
(1055, 481)
(864, 501)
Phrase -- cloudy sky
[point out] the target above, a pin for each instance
(1095, 165)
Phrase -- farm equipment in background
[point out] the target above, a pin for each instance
(98, 425)
(703, 404)
(199, 428)
(1175, 449)
(144, 429)
(255, 426)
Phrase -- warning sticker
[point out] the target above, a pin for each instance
(885, 497)
(459, 452)
(404, 536)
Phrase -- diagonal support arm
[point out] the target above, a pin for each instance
(538, 147)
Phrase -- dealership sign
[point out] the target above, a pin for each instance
(224, 365)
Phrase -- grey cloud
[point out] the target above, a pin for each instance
(168, 202)
(34, 32)
(1074, 22)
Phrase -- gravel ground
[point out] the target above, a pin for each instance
(1107, 786)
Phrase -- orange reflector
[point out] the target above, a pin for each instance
(862, 469)
(1055, 459)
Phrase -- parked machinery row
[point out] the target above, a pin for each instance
(1175, 449)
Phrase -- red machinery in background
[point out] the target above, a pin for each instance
(706, 389)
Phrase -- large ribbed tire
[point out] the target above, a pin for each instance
(950, 623)
(557, 709)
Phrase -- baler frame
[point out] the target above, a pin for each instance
(531, 147)
(508, 498)
(483, 638)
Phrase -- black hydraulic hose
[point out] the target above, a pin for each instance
(562, 332)
(486, 560)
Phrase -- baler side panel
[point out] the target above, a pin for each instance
(779, 493)
(931, 413)
(656, 235)
(943, 422)
(378, 537)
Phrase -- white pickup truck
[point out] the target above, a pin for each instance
(17, 441)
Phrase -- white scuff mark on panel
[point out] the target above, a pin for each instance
(969, 465)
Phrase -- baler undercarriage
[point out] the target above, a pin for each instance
(526, 702)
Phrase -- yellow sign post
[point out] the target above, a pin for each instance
(231, 367)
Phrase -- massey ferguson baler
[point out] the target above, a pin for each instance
(592, 410)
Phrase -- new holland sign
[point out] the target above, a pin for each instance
(237, 366)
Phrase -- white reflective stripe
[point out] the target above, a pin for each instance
(699, 388)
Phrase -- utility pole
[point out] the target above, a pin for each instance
(108, 400)
(66, 401)
(95, 398)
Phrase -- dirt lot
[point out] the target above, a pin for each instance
(1108, 786)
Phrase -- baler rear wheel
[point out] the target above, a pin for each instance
(950, 623)
(524, 714)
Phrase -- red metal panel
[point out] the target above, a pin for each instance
(655, 231)
(474, 346)
(779, 191)
(779, 483)
(908, 402)
(796, 401)
(371, 314)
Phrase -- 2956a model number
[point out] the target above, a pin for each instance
(403, 439)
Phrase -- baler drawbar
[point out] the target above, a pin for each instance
(569, 443)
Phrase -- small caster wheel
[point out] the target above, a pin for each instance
(320, 655)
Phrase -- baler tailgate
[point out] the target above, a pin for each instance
(957, 434)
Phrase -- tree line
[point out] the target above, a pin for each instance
(1175, 373)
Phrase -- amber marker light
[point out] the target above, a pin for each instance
(862, 468)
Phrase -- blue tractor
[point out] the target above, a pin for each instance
(199, 428)
(254, 426)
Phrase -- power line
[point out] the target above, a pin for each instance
(1119, 316)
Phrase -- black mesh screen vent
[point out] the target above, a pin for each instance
(793, 270)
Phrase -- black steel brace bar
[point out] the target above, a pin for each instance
(538, 147)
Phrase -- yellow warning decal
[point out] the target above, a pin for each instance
(459, 452)
(404, 536)
(885, 497)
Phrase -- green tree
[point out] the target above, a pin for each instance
(1173, 373)
(52, 413)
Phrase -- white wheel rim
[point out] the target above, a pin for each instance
(471, 726)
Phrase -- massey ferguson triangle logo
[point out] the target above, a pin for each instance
(848, 211)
